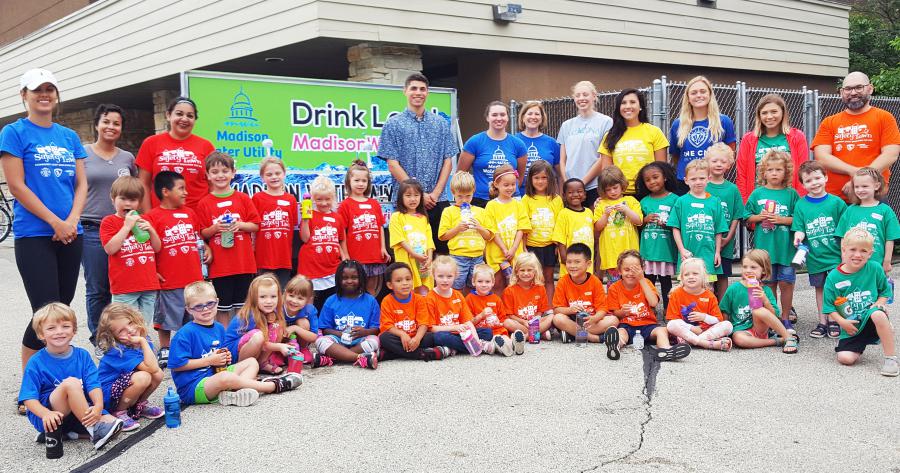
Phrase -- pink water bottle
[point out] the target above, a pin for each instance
(755, 302)
(534, 329)
(295, 363)
(470, 340)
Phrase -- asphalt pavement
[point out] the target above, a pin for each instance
(555, 408)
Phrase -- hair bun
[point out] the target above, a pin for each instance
(359, 162)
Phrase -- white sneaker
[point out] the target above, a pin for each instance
(504, 345)
(890, 367)
(241, 398)
(518, 342)
(488, 347)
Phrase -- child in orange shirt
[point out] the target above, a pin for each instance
(703, 324)
(490, 312)
(526, 297)
(450, 315)
(580, 291)
(633, 299)
(405, 320)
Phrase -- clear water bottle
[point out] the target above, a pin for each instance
(201, 250)
(420, 249)
(173, 408)
(891, 287)
(227, 236)
(465, 212)
(534, 329)
(800, 256)
(347, 333)
(470, 340)
(581, 332)
(755, 302)
(638, 340)
(140, 235)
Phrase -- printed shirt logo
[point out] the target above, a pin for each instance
(542, 222)
(179, 237)
(850, 137)
(698, 137)
(173, 159)
(497, 159)
(349, 320)
(136, 253)
(820, 231)
(325, 239)
(275, 223)
(54, 161)
(364, 227)
(450, 318)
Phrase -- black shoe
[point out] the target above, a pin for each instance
(285, 382)
(611, 338)
(676, 352)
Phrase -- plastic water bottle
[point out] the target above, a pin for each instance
(755, 302)
(347, 334)
(534, 329)
(173, 408)
(140, 235)
(306, 206)
(638, 341)
(227, 236)
(581, 332)
(891, 286)
(470, 340)
(465, 212)
(201, 250)
(423, 273)
(507, 269)
(800, 256)
(686, 311)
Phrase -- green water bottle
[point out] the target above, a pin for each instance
(139, 233)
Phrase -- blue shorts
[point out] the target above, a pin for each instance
(817, 280)
(725, 264)
(645, 330)
(465, 264)
(782, 273)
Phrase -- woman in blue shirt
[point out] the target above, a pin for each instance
(533, 122)
(44, 167)
(491, 149)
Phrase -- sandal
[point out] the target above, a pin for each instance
(676, 352)
(269, 368)
(724, 344)
(819, 332)
(611, 338)
(790, 345)
(792, 315)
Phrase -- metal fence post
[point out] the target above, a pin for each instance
(809, 119)
(664, 104)
(513, 116)
(656, 104)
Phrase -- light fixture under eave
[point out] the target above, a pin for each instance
(506, 12)
(274, 59)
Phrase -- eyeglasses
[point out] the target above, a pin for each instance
(203, 307)
(854, 88)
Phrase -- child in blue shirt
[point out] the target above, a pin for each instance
(59, 385)
(129, 371)
(302, 319)
(350, 319)
(200, 363)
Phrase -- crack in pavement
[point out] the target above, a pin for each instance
(651, 371)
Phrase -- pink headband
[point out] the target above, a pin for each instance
(513, 172)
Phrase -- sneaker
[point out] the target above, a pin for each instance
(320, 360)
(518, 342)
(564, 337)
(369, 345)
(366, 360)
(446, 352)
(128, 424)
(789, 326)
(436, 353)
(285, 382)
(488, 347)
(890, 367)
(834, 330)
(308, 357)
(240, 398)
(163, 358)
(611, 339)
(819, 332)
(39, 438)
(148, 411)
(103, 432)
(547, 336)
(504, 345)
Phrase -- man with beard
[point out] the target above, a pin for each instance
(859, 136)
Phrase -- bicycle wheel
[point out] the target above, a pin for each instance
(5, 223)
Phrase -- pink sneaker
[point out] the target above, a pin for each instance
(147, 410)
(128, 424)
(307, 355)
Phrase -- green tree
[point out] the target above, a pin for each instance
(875, 43)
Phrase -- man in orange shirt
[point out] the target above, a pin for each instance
(859, 136)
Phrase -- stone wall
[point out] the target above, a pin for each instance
(383, 63)
(139, 124)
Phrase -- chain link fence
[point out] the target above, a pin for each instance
(806, 109)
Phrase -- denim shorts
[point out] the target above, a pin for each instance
(465, 264)
(782, 273)
(817, 280)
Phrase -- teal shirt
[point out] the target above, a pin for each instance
(818, 219)
(776, 143)
(777, 241)
(732, 209)
(699, 220)
(735, 304)
(861, 289)
(880, 221)
(657, 243)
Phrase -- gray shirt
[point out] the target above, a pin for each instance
(581, 137)
(100, 176)
(420, 145)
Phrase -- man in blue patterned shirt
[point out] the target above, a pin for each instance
(420, 145)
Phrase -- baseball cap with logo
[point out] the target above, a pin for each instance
(33, 78)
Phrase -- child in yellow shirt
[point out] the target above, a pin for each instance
(617, 217)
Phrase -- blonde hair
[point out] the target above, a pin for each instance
(785, 115)
(686, 115)
(524, 260)
(300, 286)
(704, 274)
(251, 306)
(697, 164)
(761, 258)
(462, 181)
(774, 156)
(876, 176)
(585, 83)
(493, 191)
(858, 235)
(53, 312)
(444, 260)
(482, 269)
(528, 106)
(197, 290)
(358, 166)
(322, 185)
(106, 340)
(720, 149)
(127, 187)
(268, 161)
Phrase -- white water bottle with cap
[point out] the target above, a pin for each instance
(638, 341)
(800, 256)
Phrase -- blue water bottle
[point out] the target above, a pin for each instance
(173, 408)
(891, 286)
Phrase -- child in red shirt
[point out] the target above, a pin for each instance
(580, 291)
(405, 320)
(489, 311)
(132, 264)
(526, 297)
(278, 217)
(365, 225)
(178, 260)
(702, 324)
(633, 299)
(323, 235)
(234, 265)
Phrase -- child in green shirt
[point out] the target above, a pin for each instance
(869, 213)
(855, 296)
(721, 158)
(656, 184)
(816, 216)
(697, 222)
(770, 208)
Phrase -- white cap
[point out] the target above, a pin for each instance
(33, 78)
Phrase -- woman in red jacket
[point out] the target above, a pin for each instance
(771, 131)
